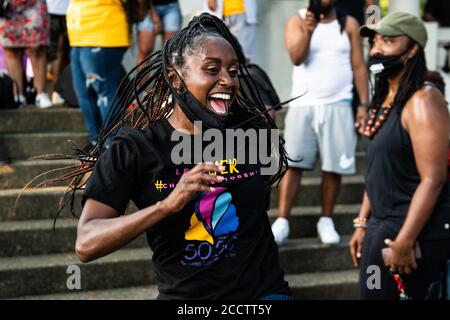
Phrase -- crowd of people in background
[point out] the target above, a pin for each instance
(405, 120)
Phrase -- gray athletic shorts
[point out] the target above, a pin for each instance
(327, 130)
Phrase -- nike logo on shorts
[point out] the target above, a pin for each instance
(346, 162)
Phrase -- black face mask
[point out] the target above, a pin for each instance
(196, 111)
(386, 65)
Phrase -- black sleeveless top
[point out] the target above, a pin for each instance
(392, 178)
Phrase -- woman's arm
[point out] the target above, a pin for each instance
(426, 119)
(101, 229)
(356, 242)
(297, 36)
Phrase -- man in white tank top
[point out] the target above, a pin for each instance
(327, 57)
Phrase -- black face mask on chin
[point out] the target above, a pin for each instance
(196, 111)
(381, 65)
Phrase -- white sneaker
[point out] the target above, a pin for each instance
(43, 101)
(21, 100)
(57, 99)
(280, 230)
(327, 232)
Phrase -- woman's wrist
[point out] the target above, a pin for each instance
(360, 222)
(165, 208)
(365, 104)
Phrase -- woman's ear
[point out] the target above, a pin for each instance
(413, 51)
(174, 78)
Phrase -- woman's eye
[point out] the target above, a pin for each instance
(213, 70)
(233, 72)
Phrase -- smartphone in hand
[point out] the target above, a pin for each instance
(315, 7)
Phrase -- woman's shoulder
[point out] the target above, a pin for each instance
(425, 100)
(426, 108)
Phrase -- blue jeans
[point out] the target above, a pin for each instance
(96, 75)
(278, 296)
(170, 16)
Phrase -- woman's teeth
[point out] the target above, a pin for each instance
(223, 96)
(219, 102)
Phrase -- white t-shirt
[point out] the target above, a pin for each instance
(326, 74)
(58, 7)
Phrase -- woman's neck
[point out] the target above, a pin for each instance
(394, 83)
(180, 122)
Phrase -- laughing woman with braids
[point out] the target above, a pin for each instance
(209, 233)
(407, 192)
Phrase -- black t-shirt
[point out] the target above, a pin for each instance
(392, 179)
(220, 246)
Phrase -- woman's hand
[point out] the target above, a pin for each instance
(356, 244)
(158, 26)
(402, 259)
(156, 20)
(191, 184)
(310, 22)
(361, 118)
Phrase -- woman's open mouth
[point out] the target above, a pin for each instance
(220, 103)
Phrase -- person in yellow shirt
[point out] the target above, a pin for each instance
(99, 36)
(240, 16)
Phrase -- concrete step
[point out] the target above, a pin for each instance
(34, 204)
(43, 203)
(149, 292)
(37, 237)
(309, 194)
(337, 285)
(303, 220)
(32, 119)
(34, 237)
(46, 274)
(19, 173)
(26, 145)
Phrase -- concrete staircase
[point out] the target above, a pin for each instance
(34, 260)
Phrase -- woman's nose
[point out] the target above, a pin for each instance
(225, 79)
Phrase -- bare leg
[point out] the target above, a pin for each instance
(60, 62)
(14, 65)
(38, 59)
(288, 191)
(331, 184)
(146, 44)
(167, 36)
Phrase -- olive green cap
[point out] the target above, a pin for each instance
(397, 24)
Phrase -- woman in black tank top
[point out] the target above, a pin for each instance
(402, 232)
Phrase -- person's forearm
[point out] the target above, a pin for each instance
(362, 84)
(299, 49)
(99, 237)
(420, 210)
(364, 211)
